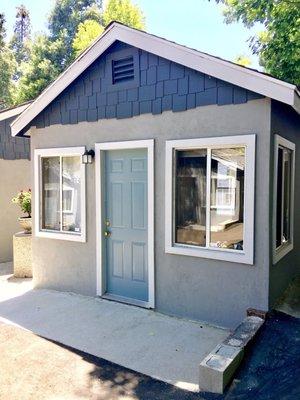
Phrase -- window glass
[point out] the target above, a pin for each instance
(71, 170)
(190, 207)
(51, 193)
(227, 198)
(61, 194)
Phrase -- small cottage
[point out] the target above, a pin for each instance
(165, 178)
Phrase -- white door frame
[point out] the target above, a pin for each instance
(99, 176)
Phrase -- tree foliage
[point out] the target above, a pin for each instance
(86, 33)
(19, 43)
(278, 46)
(243, 60)
(124, 11)
(72, 26)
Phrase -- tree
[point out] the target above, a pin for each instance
(19, 43)
(2, 31)
(123, 11)
(243, 60)
(278, 46)
(65, 19)
(7, 68)
(43, 67)
(86, 33)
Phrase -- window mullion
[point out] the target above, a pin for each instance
(60, 195)
(208, 195)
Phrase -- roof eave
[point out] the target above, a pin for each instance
(221, 69)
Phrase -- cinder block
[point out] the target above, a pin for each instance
(218, 368)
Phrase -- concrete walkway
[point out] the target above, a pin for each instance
(162, 347)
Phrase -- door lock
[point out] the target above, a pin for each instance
(107, 223)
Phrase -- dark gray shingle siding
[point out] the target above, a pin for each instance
(12, 148)
(161, 85)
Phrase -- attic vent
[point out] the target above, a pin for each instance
(122, 70)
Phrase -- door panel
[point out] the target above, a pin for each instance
(126, 223)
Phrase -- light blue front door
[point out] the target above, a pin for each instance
(126, 223)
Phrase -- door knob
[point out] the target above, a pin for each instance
(107, 234)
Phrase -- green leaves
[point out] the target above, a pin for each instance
(278, 45)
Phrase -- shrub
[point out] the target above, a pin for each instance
(23, 199)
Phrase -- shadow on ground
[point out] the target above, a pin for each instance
(270, 370)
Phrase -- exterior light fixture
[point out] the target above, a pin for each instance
(87, 156)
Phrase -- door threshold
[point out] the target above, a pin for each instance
(125, 300)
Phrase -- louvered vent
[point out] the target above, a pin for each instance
(122, 70)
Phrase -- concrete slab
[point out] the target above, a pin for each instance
(162, 347)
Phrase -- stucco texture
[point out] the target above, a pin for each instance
(286, 123)
(14, 176)
(201, 289)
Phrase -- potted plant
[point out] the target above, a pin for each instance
(23, 199)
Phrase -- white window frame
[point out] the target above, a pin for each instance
(58, 152)
(244, 256)
(280, 252)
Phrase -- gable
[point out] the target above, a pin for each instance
(223, 70)
(12, 148)
(155, 85)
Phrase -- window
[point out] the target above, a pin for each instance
(60, 193)
(210, 197)
(283, 197)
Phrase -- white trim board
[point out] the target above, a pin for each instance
(11, 112)
(99, 165)
(279, 253)
(53, 152)
(221, 69)
(247, 255)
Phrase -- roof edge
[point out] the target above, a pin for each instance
(12, 111)
(202, 62)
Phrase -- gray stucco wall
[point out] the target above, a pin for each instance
(286, 123)
(201, 289)
(14, 175)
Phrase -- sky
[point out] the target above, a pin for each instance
(195, 23)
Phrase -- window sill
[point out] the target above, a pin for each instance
(281, 252)
(72, 237)
(235, 256)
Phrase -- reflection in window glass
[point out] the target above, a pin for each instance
(283, 218)
(50, 193)
(71, 170)
(227, 198)
(190, 207)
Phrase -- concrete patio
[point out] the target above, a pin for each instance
(166, 348)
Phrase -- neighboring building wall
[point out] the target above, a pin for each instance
(286, 123)
(196, 288)
(14, 175)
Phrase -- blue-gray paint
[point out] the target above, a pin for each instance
(12, 148)
(126, 214)
(159, 85)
